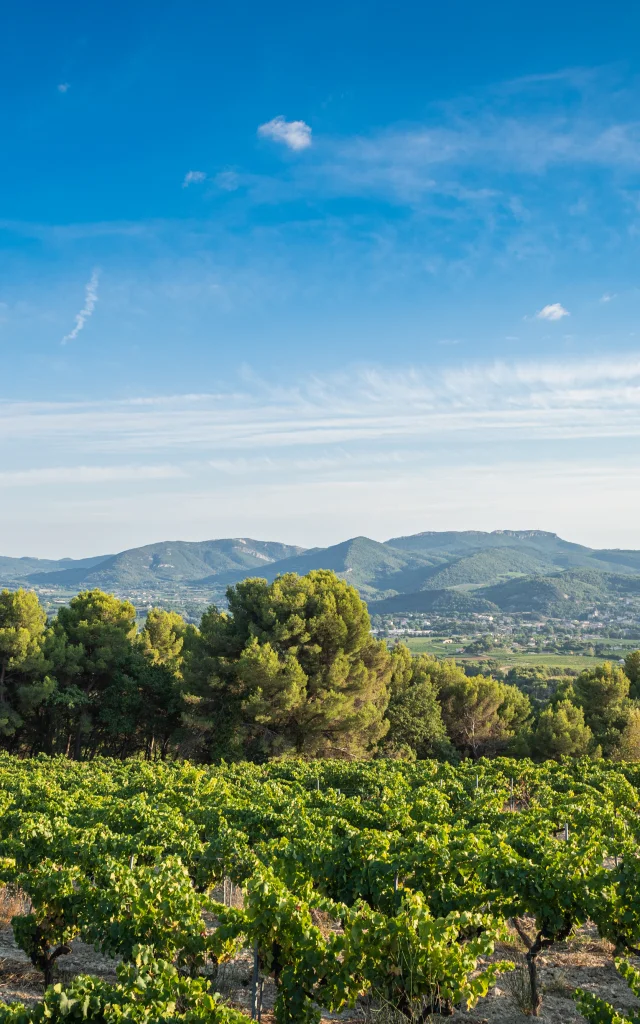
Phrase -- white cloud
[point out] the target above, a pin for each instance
(607, 297)
(193, 178)
(90, 300)
(64, 87)
(294, 134)
(555, 311)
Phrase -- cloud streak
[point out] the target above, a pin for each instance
(90, 302)
(370, 451)
(533, 401)
(59, 475)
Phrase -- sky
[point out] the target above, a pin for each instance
(301, 272)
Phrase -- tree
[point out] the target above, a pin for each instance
(561, 732)
(23, 627)
(162, 638)
(602, 693)
(632, 671)
(161, 641)
(291, 668)
(481, 715)
(414, 714)
(93, 657)
(628, 746)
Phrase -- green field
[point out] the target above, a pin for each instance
(426, 645)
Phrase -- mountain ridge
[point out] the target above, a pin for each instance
(447, 570)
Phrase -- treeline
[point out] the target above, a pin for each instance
(290, 669)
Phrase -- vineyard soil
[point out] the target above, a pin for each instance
(583, 962)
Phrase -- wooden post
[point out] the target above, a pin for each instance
(254, 986)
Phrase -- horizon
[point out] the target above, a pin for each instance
(314, 272)
(306, 548)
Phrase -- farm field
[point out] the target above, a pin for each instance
(508, 659)
(327, 887)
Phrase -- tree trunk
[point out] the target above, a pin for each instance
(77, 746)
(536, 998)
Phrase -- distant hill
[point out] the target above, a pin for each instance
(488, 565)
(448, 572)
(168, 562)
(444, 602)
(564, 594)
(21, 568)
(375, 569)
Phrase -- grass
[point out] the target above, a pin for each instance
(426, 645)
(12, 903)
(518, 987)
(578, 661)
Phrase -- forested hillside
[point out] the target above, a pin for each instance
(514, 571)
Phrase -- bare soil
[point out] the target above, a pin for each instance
(583, 962)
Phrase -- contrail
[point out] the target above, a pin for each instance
(90, 299)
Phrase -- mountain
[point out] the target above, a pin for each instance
(485, 566)
(440, 572)
(375, 569)
(465, 542)
(21, 568)
(169, 562)
(546, 549)
(564, 594)
(441, 602)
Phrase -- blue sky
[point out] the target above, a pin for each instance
(301, 272)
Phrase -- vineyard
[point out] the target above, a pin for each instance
(384, 882)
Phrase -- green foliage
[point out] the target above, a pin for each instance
(148, 991)
(602, 693)
(414, 713)
(561, 732)
(22, 661)
(627, 747)
(291, 670)
(414, 865)
(295, 669)
(162, 638)
(482, 715)
(632, 671)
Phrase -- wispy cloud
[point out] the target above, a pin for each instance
(54, 475)
(607, 297)
(552, 400)
(555, 311)
(306, 463)
(228, 181)
(90, 301)
(193, 178)
(64, 87)
(294, 134)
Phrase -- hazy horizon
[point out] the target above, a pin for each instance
(55, 556)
